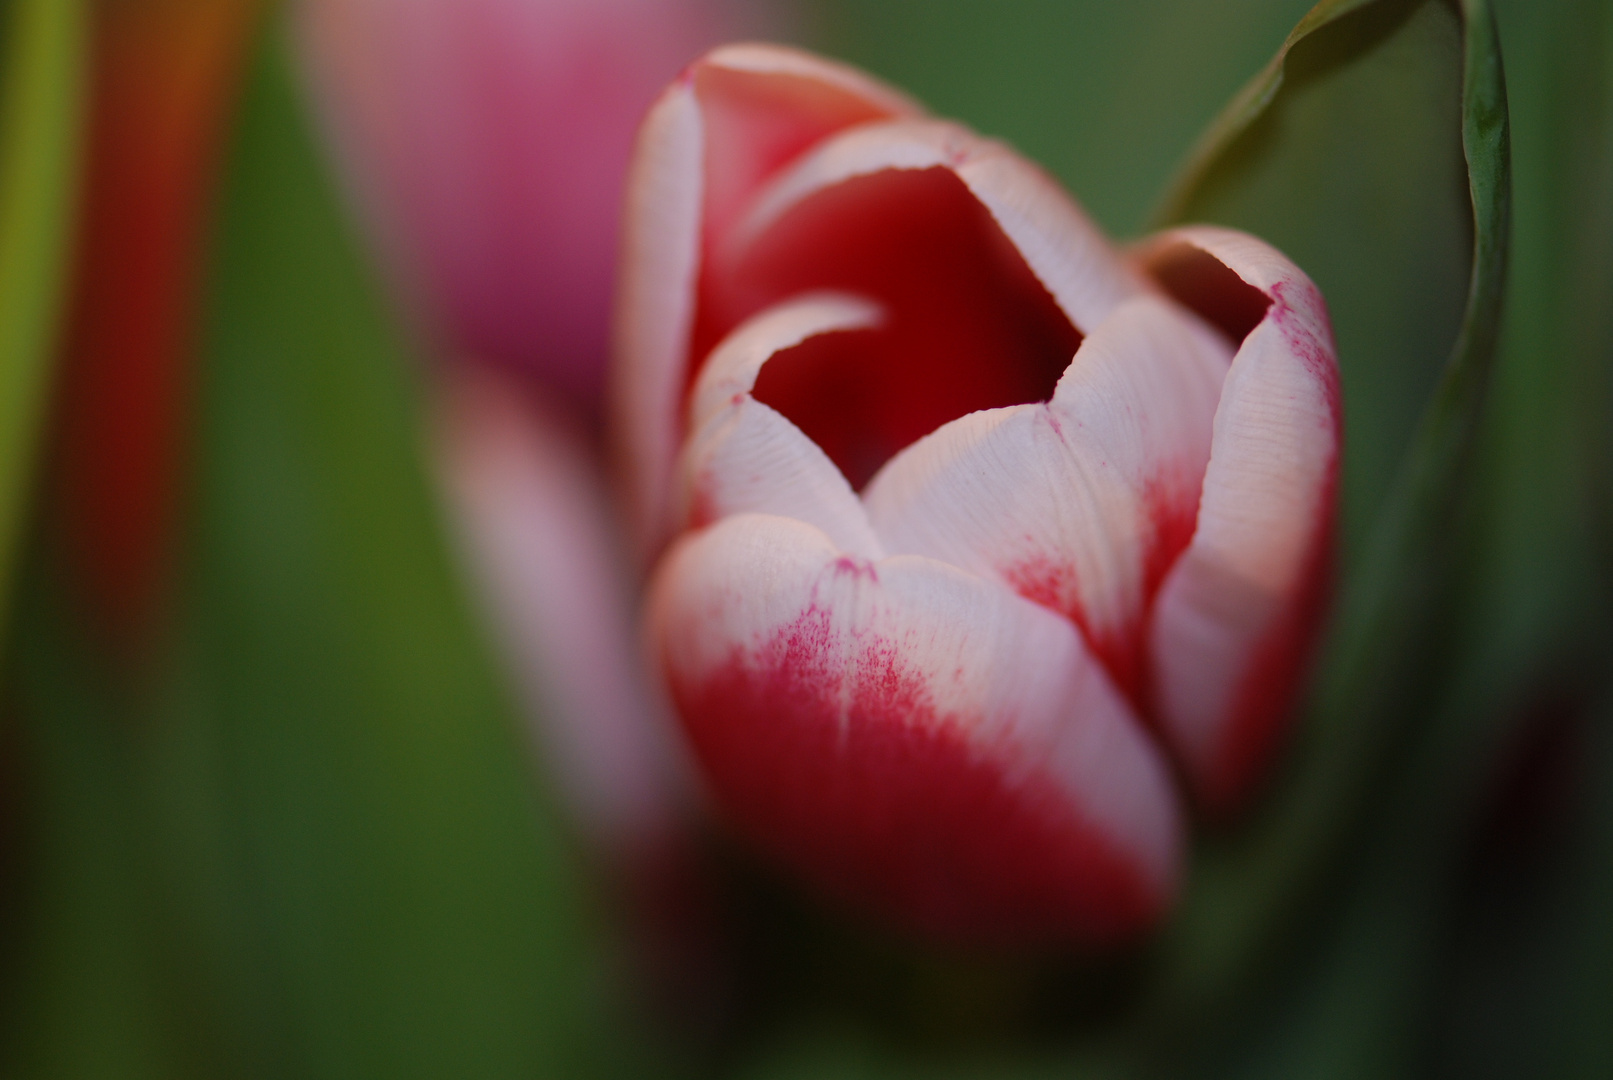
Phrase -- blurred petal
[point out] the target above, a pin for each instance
(913, 737)
(542, 546)
(487, 142)
(1083, 503)
(1237, 615)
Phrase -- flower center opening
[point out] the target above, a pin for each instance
(968, 325)
(1208, 287)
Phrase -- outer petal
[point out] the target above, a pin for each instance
(1238, 615)
(541, 544)
(744, 456)
(914, 737)
(735, 116)
(1080, 504)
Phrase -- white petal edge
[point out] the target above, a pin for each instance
(1059, 499)
(1067, 253)
(981, 650)
(762, 58)
(744, 456)
(1267, 504)
(655, 304)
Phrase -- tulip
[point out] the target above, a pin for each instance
(969, 533)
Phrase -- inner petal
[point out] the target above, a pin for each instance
(968, 324)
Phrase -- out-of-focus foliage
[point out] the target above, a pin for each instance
(308, 844)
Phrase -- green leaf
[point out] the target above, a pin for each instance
(1374, 150)
(342, 792)
(1542, 586)
(41, 82)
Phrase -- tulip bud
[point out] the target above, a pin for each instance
(968, 531)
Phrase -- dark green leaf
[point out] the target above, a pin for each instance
(86, 990)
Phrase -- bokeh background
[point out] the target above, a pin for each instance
(269, 804)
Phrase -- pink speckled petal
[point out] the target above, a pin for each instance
(744, 456)
(1080, 504)
(733, 119)
(1238, 615)
(914, 738)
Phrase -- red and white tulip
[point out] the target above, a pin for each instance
(968, 532)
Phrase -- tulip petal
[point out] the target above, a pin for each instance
(539, 540)
(1238, 614)
(913, 737)
(735, 116)
(744, 456)
(1062, 247)
(655, 305)
(1083, 503)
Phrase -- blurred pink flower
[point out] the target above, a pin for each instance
(980, 530)
(484, 144)
(486, 141)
